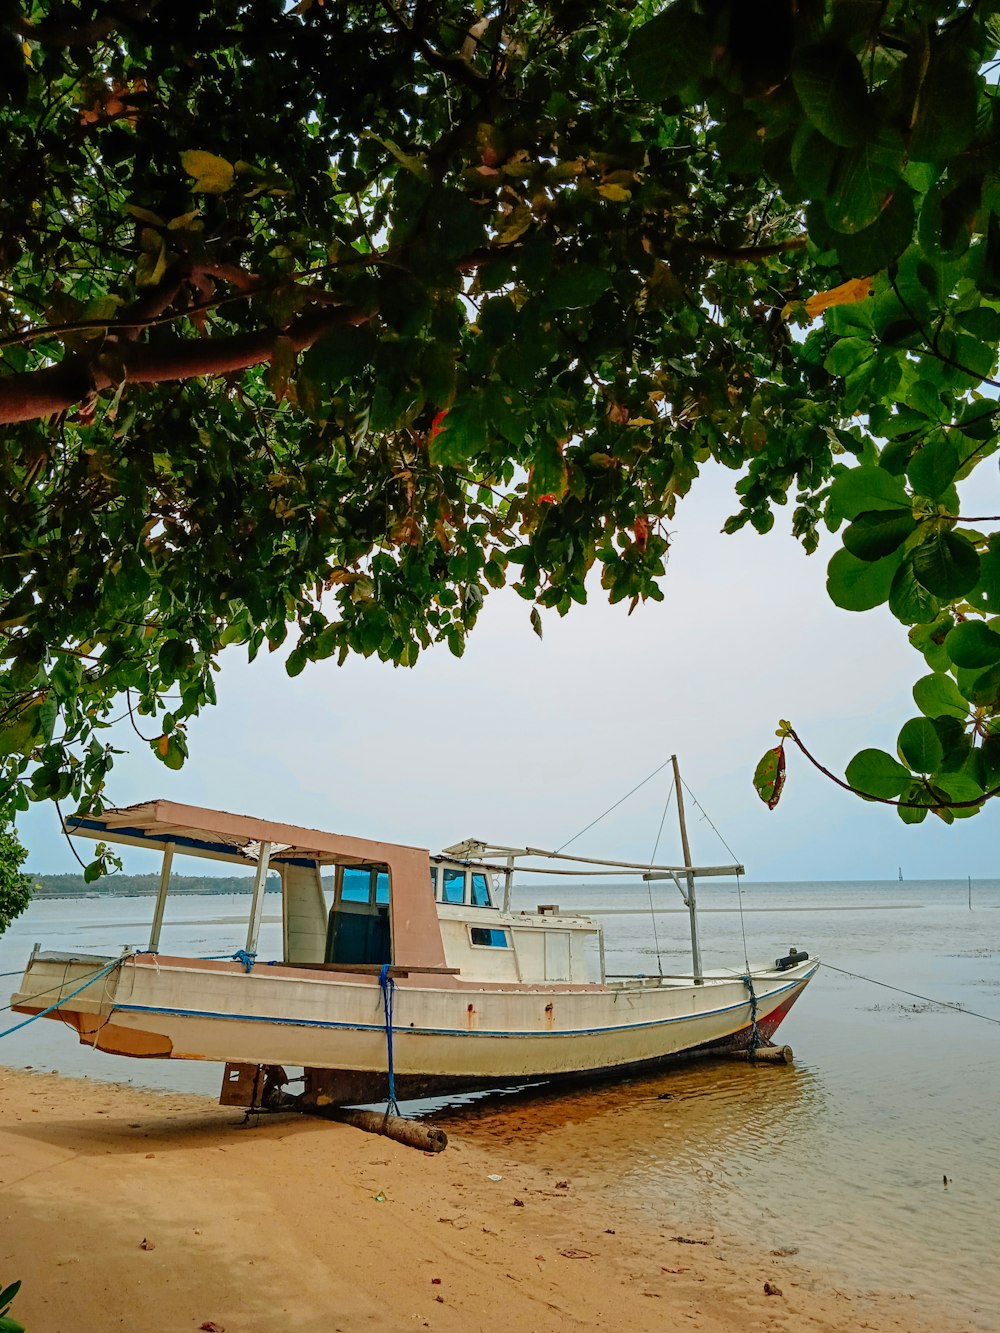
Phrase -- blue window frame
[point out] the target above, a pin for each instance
(493, 939)
(356, 884)
(453, 887)
(480, 890)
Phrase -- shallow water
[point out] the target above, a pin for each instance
(842, 1155)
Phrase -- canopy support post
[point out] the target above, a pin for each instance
(161, 899)
(257, 904)
(689, 898)
(507, 882)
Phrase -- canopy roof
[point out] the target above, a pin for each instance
(215, 834)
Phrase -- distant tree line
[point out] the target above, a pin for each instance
(136, 886)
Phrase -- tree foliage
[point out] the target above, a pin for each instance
(15, 888)
(331, 319)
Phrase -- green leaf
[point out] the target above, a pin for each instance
(973, 644)
(937, 695)
(211, 174)
(832, 90)
(875, 773)
(934, 467)
(947, 565)
(858, 585)
(861, 489)
(985, 596)
(919, 745)
(914, 814)
(878, 532)
(863, 181)
(909, 601)
(576, 286)
(463, 433)
(339, 357)
(874, 248)
(769, 776)
(669, 52)
(946, 108)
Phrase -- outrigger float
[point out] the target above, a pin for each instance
(416, 968)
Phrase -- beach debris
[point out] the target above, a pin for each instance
(665, 1097)
(785, 1251)
(440, 1298)
(562, 1184)
(210, 1326)
(577, 1254)
(146, 1244)
(947, 1181)
(609, 1231)
(518, 1203)
(689, 1240)
(379, 1197)
(494, 1177)
(435, 1282)
(771, 1290)
(150, 1155)
(682, 1269)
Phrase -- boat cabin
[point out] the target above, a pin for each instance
(351, 903)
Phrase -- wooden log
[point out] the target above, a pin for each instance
(768, 1054)
(412, 1133)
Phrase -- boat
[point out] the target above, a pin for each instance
(415, 975)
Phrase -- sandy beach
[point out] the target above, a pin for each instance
(123, 1208)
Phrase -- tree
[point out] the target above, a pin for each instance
(15, 888)
(334, 318)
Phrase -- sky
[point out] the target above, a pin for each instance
(525, 741)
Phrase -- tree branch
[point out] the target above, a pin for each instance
(887, 800)
(42, 393)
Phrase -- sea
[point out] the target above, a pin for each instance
(875, 1155)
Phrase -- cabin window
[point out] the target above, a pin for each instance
(454, 886)
(382, 887)
(480, 890)
(492, 939)
(357, 884)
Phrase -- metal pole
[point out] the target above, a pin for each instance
(692, 906)
(161, 898)
(507, 880)
(257, 905)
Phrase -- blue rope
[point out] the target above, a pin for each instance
(240, 956)
(41, 1014)
(755, 1038)
(388, 989)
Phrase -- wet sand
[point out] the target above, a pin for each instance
(123, 1208)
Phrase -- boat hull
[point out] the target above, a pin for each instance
(444, 1032)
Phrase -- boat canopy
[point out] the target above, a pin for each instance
(219, 836)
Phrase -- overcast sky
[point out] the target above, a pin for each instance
(526, 741)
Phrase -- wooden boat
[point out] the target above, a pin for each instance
(415, 965)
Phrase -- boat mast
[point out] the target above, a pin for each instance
(689, 897)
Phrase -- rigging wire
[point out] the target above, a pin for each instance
(649, 882)
(613, 807)
(739, 885)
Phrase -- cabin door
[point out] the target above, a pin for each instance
(359, 929)
(557, 955)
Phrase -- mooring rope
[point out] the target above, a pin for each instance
(42, 1013)
(388, 986)
(755, 1038)
(928, 999)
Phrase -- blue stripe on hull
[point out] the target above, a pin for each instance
(447, 1032)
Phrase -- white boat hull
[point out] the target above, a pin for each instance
(445, 1033)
